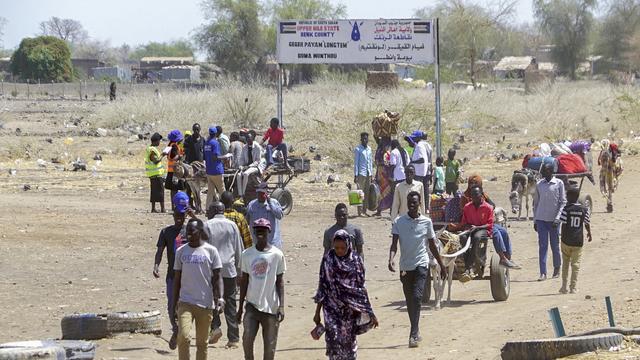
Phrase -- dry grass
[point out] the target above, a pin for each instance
(330, 114)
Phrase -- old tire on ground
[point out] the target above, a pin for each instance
(587, 201)
(74, 349)
(27, 350)
(285, 199)
(426, 294)
(147, 322)
(559, 347)
(500, 281)
(84, 327)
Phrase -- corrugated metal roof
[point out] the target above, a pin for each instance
(509, 63)
(547, 66)
(167, 59)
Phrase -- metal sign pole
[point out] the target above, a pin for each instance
(279, 107)
(436, 45)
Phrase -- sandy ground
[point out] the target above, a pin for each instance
(84, 242)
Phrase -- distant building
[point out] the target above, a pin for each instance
(405, 71)
(151, 69)
(5, 64)
(111, 73)
(157, 63)
(514, 67)
(85, 65)
(180, 73)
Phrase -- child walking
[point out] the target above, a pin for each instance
(452, 172)
(439, 177)
(573, 217)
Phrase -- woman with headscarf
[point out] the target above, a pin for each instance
(610, 169)
(384, 174)
(473, 181)
(343, 297)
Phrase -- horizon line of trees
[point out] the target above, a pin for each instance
(239, 35)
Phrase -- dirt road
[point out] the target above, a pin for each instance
(78, 242)
(69, 250)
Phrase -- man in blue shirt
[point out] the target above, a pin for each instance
(265, 207)
(413, 231)
(215, 169)
(363, 169)
(548, 202)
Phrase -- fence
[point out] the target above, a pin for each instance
(89, 90)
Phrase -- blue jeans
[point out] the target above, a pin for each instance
(501, 240)
(548, 234)
(172, 315)
(282, 147)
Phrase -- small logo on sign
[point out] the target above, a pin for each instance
(355, 32)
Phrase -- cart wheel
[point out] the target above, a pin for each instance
(285, 199)
(426, 294)
(500, 281)
(586, 201)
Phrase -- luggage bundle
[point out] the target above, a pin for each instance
(565, 158)
(385, 124)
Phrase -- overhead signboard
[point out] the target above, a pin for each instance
(383, 41)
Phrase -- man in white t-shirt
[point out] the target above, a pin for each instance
(399, 159)
(198, 293)
(421, 159)
(262, 285)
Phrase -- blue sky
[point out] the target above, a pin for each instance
(140, 21)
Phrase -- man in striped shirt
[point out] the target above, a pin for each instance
(230, 213)
(573, 217)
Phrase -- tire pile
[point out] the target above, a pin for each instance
(76, 329)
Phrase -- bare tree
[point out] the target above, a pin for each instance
(3, 23)
(66, 29)
(468, 30)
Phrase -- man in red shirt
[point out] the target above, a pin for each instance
(275, 138)
(477, 216)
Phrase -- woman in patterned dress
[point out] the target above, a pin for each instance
(344, 299)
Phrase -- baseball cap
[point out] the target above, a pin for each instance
(181, 201)
(212, 130)
(262, 187)
(262, 223)
(417, 134)
(156, 137)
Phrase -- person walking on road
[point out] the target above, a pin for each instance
(266, 207)
(574, 217)
(225, 236)
(215, 169)
(262, 286)
(548, 202)
(343, 297)
(363, 169)
(198, 293)
(356, 238)
(239, 219)
(172, 237)
(412, 231)
(399, 206)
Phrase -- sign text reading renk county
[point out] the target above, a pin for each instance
(356, 41)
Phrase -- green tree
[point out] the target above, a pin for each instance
(178, 48)
(46, 58)
(233, 38)
(568, 24)
(617, 31)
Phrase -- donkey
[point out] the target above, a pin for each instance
(523, 185)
